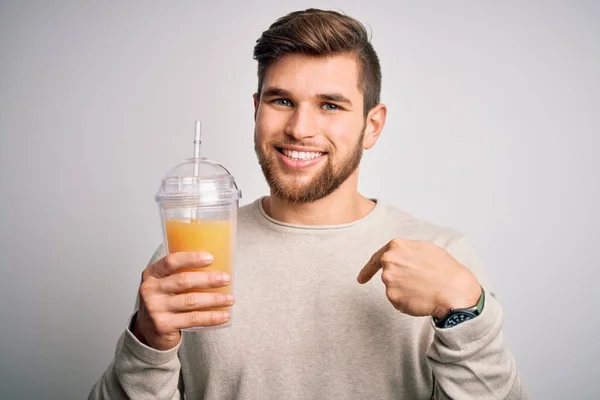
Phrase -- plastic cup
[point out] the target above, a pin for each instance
(198, 202)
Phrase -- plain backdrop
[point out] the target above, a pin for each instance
(493, 130)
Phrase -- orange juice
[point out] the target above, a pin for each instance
(214, 237)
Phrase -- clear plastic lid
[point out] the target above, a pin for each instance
(198, 181)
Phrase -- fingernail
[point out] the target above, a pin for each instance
(225, 315)
(230, 298)
(226, 277)
(207, 257)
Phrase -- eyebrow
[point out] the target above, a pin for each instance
(333, 97)
(275, 92)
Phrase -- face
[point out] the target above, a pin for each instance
(310, 126)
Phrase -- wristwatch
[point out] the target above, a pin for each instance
(460, 315)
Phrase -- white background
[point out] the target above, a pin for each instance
(493, 130)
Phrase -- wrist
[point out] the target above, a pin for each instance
(161, 343)
(457, 316)
(136, 331)
(454, 299)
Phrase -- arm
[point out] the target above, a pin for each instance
(470, 360)
(169, 300)
(139, 372)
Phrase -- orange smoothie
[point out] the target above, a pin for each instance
(214, 237)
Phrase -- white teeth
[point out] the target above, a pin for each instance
(301, 155)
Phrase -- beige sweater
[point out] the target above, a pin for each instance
(303, 328)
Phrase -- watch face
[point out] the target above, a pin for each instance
(458, 318)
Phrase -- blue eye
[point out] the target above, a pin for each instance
(330, 107)
(282, 102)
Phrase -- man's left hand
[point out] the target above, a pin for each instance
(422, 279)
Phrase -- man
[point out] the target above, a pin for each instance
(311, 322)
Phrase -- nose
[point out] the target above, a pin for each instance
(301, 124)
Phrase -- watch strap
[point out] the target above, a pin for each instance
(481, 302)
(476, 309)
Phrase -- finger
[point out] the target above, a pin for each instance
(188, 280)
(372, 266)
(174, 262)
(199, 318)
(198, 301)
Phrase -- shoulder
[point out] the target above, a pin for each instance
(248, 208)
(247, 213)
(407, 226)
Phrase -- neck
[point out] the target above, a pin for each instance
(343, 206)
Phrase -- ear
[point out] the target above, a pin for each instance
(256, 101)
(374, 125)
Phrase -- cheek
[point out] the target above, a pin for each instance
(269, 123)
(261, 127)
(261, 138)
(343, 133)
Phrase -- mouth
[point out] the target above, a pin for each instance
(300, 155)
(299, 159)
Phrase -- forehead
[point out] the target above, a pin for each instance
(309, 75)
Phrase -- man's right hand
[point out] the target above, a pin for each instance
(167, 305)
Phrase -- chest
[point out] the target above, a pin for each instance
(296, 284)
(300, 316)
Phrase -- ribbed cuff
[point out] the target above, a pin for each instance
(145, 353)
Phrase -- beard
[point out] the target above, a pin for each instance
(285, 184)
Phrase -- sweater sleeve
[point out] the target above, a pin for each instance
(470, 361)
(139, 372)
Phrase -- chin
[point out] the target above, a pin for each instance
(295, 183)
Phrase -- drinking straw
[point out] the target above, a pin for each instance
(197, 144)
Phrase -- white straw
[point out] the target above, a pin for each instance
(197, 143)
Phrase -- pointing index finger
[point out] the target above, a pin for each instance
(372, 266)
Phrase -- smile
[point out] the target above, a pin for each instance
(300, 155)
(299, 160)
